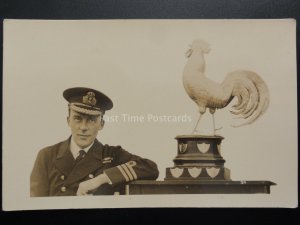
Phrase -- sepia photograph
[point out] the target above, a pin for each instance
(149, 113)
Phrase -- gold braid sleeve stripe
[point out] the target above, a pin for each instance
(127, 171)
(123, 173)
(131, 170)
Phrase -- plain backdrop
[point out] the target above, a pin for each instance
(139, 64)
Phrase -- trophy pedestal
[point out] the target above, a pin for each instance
(198, 158)
(198, 169)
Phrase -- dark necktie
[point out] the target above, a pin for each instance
(82, 154)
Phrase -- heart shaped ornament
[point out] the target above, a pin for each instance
(213, 172)
(203, 147)
(182, 147)
(176, 172)
(219, 148)
(194, 172)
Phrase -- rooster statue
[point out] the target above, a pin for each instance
(250, 90)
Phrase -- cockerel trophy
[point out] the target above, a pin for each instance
(248, 87)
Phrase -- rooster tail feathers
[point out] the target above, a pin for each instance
(252, 94)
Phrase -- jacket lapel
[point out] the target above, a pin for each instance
(64, 159)
(91, 162)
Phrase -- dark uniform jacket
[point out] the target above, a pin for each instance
(55, 172)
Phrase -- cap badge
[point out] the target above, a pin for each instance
(89, 99)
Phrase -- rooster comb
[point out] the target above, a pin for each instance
(200, 44)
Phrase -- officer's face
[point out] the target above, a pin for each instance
(84, 128)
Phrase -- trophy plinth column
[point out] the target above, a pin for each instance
(198, 158)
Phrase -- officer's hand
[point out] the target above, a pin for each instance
(88, 186)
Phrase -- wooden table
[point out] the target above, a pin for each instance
(143, 187)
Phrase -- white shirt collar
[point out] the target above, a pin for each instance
(75, 148)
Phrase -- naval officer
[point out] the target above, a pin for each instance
(81, 165)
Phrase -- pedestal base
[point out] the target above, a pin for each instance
(144, 187)
(198, 169)
(198, 158)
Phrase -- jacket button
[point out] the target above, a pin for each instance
(91, 176)
(62, 177)
(63, 189)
